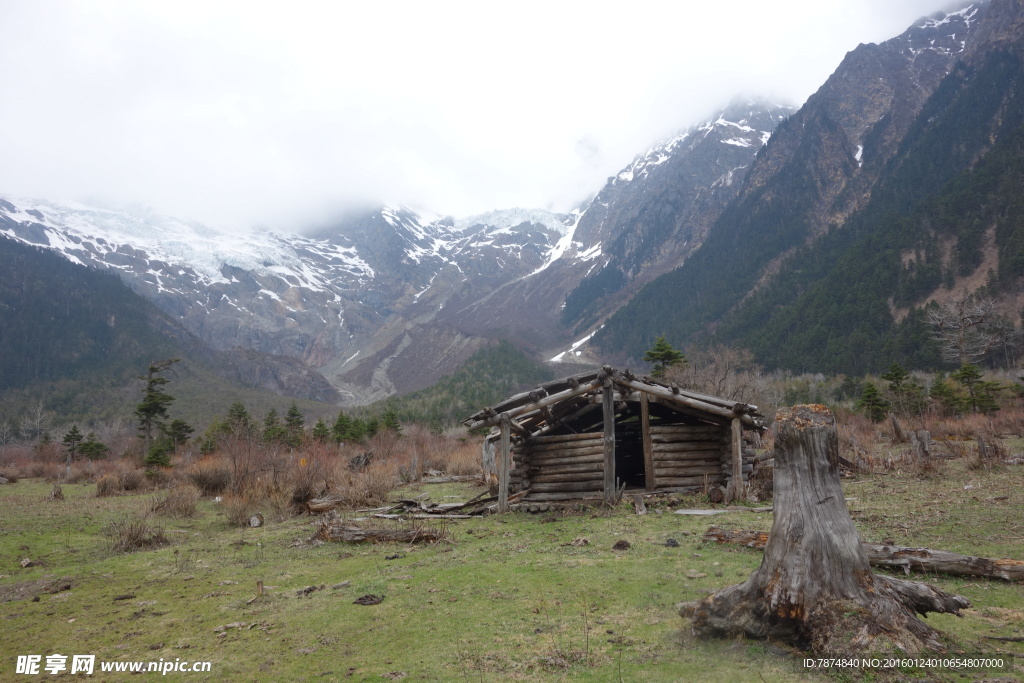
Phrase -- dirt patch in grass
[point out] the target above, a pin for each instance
(24, 590)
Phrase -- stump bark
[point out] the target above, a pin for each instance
(814, 588)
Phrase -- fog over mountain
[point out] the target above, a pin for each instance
(240, 114)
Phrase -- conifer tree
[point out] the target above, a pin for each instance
(873, 403)
(179, 432)
(93, 449)
(389, 421)
(356, 430)
(321, 431)
(341, 427)
(293, 425)
(152, 410)
(273, 432)
(238, 421)
(71, 441)
(908, 396)
(981, 395)
(372, 427)
(663, 356)
(946, 395)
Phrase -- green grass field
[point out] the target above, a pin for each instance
(507, 598)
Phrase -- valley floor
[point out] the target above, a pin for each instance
(513, 597)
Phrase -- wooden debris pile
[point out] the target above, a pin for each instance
(419, 507)
(406, 516)
(337, 529)
(422, 508)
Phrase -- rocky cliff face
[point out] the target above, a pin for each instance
(855, 122)
(881, 190)
(655, 212)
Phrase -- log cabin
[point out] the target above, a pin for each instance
(596, 434)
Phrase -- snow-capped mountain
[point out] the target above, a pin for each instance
(645, 221)
(389, 300)
(329, 299)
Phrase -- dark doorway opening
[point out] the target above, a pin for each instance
(629, 457)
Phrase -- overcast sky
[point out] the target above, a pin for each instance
(237, 113)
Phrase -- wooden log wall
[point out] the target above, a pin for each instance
(687, 455)
(748, 459)
(564, 465)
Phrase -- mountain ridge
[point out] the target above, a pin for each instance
(688, 239)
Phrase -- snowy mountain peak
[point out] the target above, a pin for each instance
(747, 124)
(510, 218)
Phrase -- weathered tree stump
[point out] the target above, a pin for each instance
(814, 588)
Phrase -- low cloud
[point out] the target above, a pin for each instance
(247, 113)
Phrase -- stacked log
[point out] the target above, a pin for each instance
(518, 479)
(748, 458)
(687, 455)
(566, 464)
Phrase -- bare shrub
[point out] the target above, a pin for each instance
(178, 502)
(857, 436)
(1009, 421)
(238, 508)
(131, 479)
(956, 449)
(134, 533)
(963, 428)
(991, 453)
(366, 488)
(108, 485)
(426, 451)
(927, 468)
(279, 502)
(730, 373)
(210, 476)
(80, 474)
(50, 452)
(48, 471)
(310, 477)
(56, 493)
(158, 477)
(10, 474)
(379, 480)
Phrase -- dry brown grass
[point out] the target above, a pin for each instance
(465, 459)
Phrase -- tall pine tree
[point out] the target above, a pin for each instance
(152, 410)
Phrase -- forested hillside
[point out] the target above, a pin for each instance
(59, 320)
(75, 340)
(851, 300)
(491, 374)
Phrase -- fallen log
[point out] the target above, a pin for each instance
(329, 531)
(898, 557)
(323, 504)
(450, 479)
